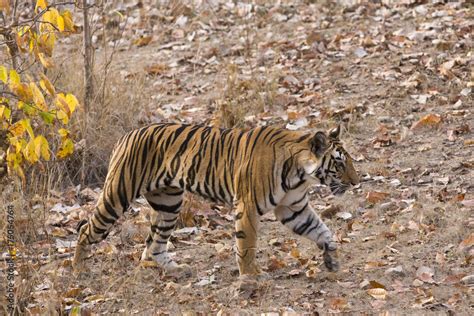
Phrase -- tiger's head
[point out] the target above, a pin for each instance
(334, 166)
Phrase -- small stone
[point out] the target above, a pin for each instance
(442, 180)
(364, 284)
(360, 52)
(417, 283)
(344, 215)
(395, 182)
(457, 105)
(396, 271)
(465, 92)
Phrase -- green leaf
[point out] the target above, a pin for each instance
(47, 117)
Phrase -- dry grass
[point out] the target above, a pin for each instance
(244, 97)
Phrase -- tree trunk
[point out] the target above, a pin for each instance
(88, 84)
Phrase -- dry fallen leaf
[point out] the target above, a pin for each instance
(312, 272)
(143, 41)
(275, 264)
(430, 120)
(378, 293)
(337, 303)
(466, 243)
(374, 197)
(330, 211)
(376, 285)
(295, 253)
(374, 264)
(156, 69)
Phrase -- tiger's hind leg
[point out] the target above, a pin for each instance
(166, 204)
(304, 221)
(96, 229)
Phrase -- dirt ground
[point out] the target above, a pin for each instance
(399, 78)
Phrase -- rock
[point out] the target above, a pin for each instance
(417, 283)
(396, 271)
(364, 285)
(360, 52)
(395, 182)
(344, 215)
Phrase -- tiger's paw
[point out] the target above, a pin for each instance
(78, 264)
(330, 257)
(247, 284)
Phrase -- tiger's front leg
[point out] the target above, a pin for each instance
(304, 221)
(246, 223)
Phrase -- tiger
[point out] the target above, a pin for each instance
(254, 171)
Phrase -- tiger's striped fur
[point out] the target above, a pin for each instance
(256, 171)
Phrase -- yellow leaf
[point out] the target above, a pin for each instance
(46, 85)
(14, 77)
(62, 116)
(17, 129)
(29, 152)
(67, 148)
(42, 4)
(14, 161)
(60, 21)
(71, 102)
(46, 43)
(62, 104)
(3, 73)
(38, 97)
(51, 16)
(5, 112)
(63, 132)
(42, 147)
(22, 90)
(23, 37)
(45, 61)
(26, 124)
(68, 23)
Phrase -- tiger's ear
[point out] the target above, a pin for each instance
(319, 143)
(335, 133)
